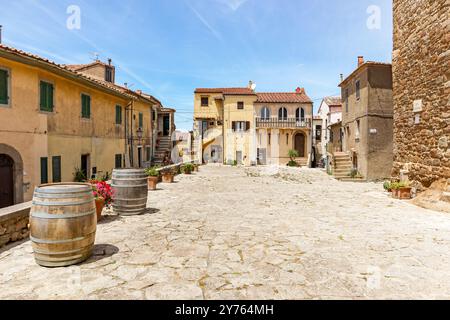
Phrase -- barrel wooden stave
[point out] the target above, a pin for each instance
(63, 224)
(130, 191)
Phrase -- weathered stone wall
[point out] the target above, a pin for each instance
(14, 223)
(421, 71)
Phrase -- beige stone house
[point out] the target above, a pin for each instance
(55, 119)
(367, 122)
(421, 71)
(239, 125)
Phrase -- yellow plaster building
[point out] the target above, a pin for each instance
(55, 119)
(241, 126)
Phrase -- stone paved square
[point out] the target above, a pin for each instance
(235, 233)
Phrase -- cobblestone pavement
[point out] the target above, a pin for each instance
(232, 233)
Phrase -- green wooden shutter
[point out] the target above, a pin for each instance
(56, 169)
(4, 87)
(118, 161)
(118, 115)
(44, 170)
(141, 120)
(43, 94)
(49, 97)
(88, 98)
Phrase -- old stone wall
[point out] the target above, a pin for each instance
(14, 223)
(421, 73)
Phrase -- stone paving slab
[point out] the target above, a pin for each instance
(234, 233)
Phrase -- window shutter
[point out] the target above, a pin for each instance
(44, 170)
(88, 98)
(49, 97)
(43, 95)
(233, 125)
(141, 120)
(4, 87)
(56, 169)
(247, 126)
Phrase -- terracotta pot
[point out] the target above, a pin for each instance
(404, 193)
(395, 193)
(196, 168)
(187, 172)
(99, 205)
(167, 178)
(152, 182)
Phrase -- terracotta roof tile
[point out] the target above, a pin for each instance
(283, 97)
(333, 101)
(230, 91)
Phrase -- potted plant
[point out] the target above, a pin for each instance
(404, 191)
(387, 186)
(187, 168)
(167, 175)
(103, 195)
(292, 155)
(153, 178)
(395, 189)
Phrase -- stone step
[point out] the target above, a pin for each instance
(446, 196)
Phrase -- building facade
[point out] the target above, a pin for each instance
(421, 71)
(330, 111)
(56, 121)
(367, 119)
(243, 127)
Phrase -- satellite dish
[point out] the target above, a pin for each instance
(253, 86)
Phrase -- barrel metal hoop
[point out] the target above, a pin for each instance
(43, 215)
(128, 199)
(46, 195)
(129, 186)
(41, 241)
(50, 253)
(62, 204)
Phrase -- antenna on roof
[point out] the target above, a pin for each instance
(95, 56)
(1, 34)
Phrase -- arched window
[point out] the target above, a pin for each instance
(300, 114)
(282, 114)
(265, 113)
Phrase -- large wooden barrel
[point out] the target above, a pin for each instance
(130, 191)
(63, 224)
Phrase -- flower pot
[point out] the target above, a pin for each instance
(404, 193)
(187, 172)
(152, 182)
(196, 168)
(167, 178)
(99, 205)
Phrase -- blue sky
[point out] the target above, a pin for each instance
(168, 48)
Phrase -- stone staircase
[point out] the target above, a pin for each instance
(163, 148)
(342, 166)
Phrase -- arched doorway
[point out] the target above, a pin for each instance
(11, 171)
(7, 181)
(300, 144)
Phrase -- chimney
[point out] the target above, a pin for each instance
(250, 84)
(299, 90)
(360, 61)
(342, 77)
(109, 62)
(1, 34)
(139, 92)
(126, 85)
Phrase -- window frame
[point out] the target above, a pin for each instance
(120, 114)
(240, 105)
(8, 87)
(47, 82)
(265, 113)
(347, 94)
(82, 95)
(201, 101)
(54, 177)
(283, 114)
(141, 120)
(44, 180)
(116, 157)
(358, 89)
(300, 114)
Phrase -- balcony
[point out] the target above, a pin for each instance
(289, 123)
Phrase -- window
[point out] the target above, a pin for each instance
(358, 89)
(269, 138)
(265, 113)
(153, 115)
(205, 102)
(44, 170)
(240, 105)
(148, 152)
(358, 124)
(240, 126)
(300, 114)
(287, 139)
(56, 169)
(118, 114)
(141, 120)
(282, 114)
(109, 74)
(346, 100)
(85, 106)
(118, 161)
(4, 86)
(46, 98)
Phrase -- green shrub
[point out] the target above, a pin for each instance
(79, 175)
(292, 163)
(187, 168)
(293, 154)
(387, 185)
(152, 172)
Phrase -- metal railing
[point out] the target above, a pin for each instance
(286, 123)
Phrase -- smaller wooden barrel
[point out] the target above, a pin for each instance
(63, 224)
(130, 191)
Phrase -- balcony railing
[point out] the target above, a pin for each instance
(288, 123)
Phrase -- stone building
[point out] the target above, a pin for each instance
(55, 119)
(239, 125)
(367, 119)
(421, 73)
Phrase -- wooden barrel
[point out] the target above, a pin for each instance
(63, 223)
(130, 191)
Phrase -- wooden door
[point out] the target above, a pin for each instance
(300, 144)
(7, 181)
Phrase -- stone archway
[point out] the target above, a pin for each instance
(300, 144)
(12, 158)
